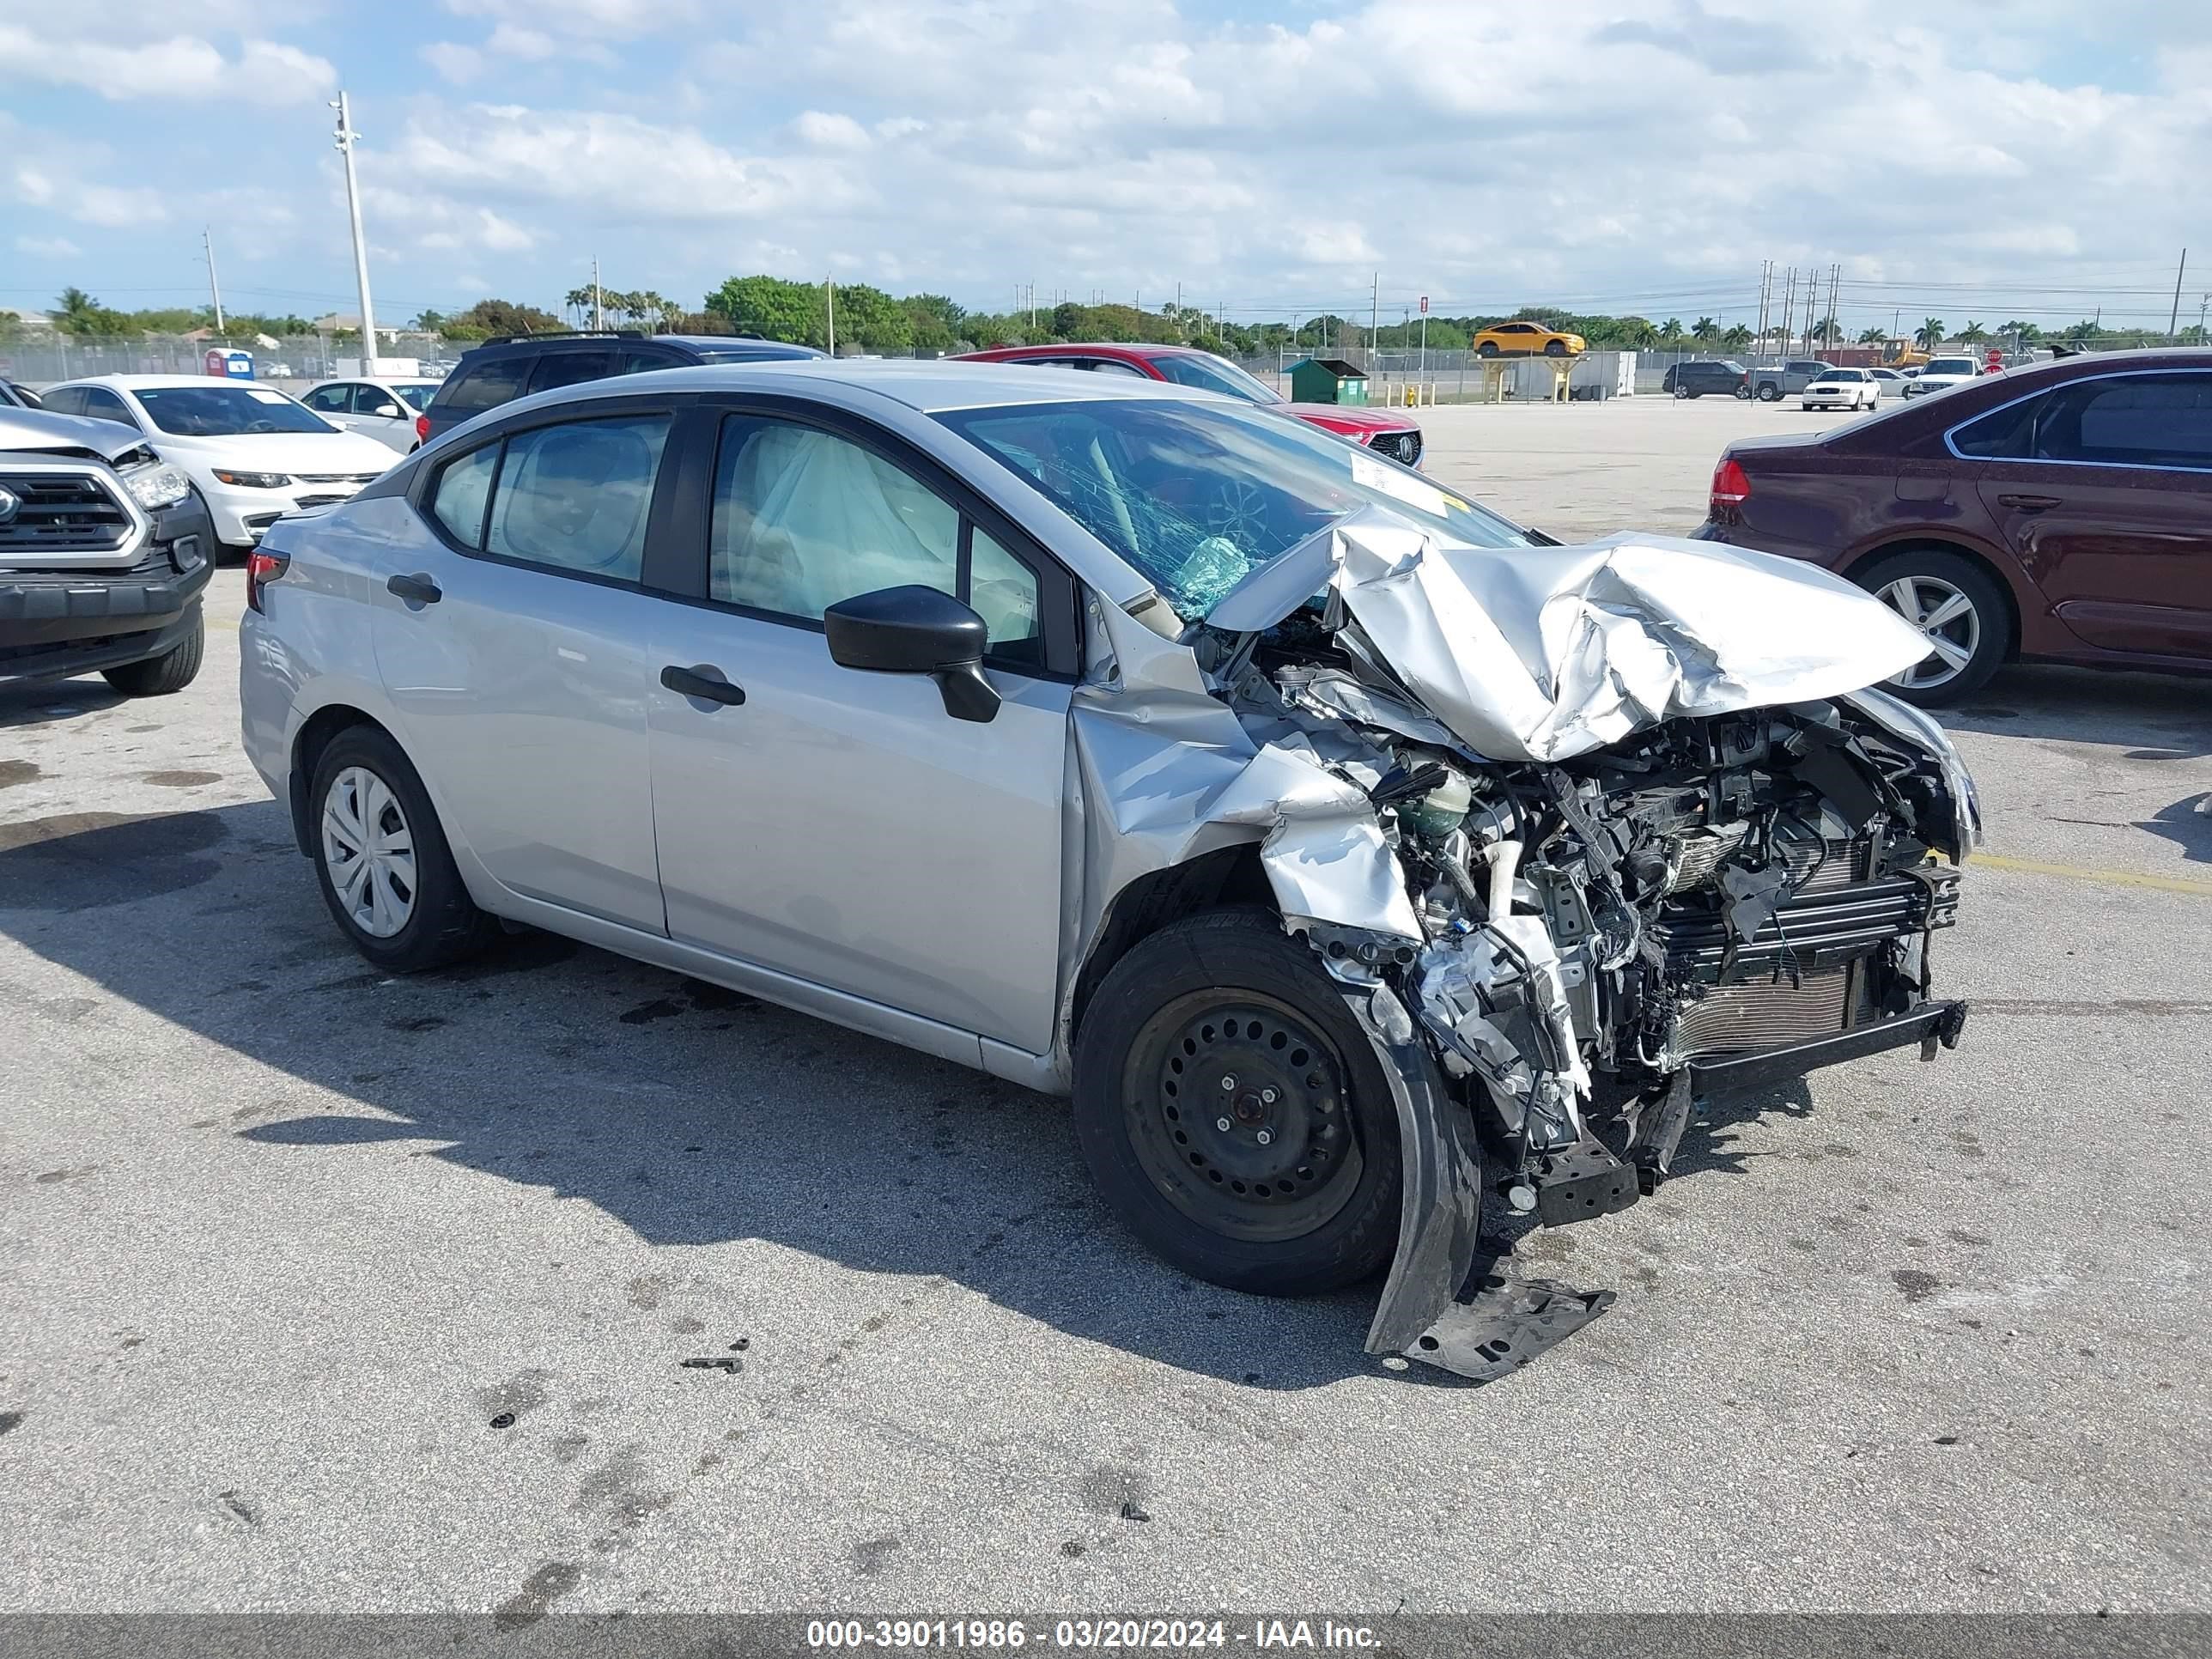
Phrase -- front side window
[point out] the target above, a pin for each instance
(803, 518)
(1197, 495)
(103, 406)
(462, 491)
(574, 498)
(215, 410)
(329, 399)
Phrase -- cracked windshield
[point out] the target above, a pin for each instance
(1197, 495)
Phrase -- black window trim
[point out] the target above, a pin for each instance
(423, 492)
(682, 569)
(2135, 371)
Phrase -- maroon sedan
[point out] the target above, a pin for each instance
(1385, 434)
(2061, 513)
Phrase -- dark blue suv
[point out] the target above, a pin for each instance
(500, 371)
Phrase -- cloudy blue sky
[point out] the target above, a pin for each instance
(1979, 158)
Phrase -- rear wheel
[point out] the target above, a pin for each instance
(1958, 608)
(1233, 1113)
(158, 677)
(1770, 393)
(1743, 394)
(1681, 390)
(382, 861)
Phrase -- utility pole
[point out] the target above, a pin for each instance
(1766, 287)
(1179, 311)
(1789, 307)
(2202, 299)
(2175, 316)
(599, 300)
(829, 284)
(1374, 316)
(215, 288)
(1835, 282)
(347, 137)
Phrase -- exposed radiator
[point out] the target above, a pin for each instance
(1762, 1013)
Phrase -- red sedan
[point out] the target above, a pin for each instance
(1384, 433)
(2061, 512)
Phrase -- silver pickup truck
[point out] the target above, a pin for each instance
(1772, 382)
(105, 551)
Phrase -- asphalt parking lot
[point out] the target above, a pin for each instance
(283, 1240)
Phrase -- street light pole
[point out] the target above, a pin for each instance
(215, 288)
(346, 139)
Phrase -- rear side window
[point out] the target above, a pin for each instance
(65, 400)
(464, 488)
(642, 362)
(575, 497)
(481, 386)
(2145, 420)
(560, 368)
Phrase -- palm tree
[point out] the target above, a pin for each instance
(1736, 338)
(1705, 331)
(73, 310)
(2026, 333)
(1671, 330)
(1930, 334)
(1972, 334)
(1874, 337)
(578, 299)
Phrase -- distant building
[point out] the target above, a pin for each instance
(340, 321)
(35, 322)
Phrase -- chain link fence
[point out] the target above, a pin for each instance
(43, 360)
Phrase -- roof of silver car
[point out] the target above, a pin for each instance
(930, 385)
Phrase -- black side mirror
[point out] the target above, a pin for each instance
(916, 630)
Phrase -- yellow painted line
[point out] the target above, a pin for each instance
(2078, 872)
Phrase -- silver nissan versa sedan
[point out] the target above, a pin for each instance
(1354, 858)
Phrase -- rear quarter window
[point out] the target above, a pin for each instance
(481, 386)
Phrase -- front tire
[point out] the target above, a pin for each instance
(1681, 391)
(1555, 348)
(1223, 1018)
(1957, 606)
(170, 672)
(381, 858)
(1487, 349)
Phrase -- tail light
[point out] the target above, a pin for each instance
(421, 428)
(261, 569)
(1731, 485)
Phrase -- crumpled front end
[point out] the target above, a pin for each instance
(1577, 831)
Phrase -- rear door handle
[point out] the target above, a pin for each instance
(704, 681)
(416, 590)
(2031, 503)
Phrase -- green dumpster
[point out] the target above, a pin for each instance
(1327, 381)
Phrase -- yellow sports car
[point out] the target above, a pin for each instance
(1528, 340)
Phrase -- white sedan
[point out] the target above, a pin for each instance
(389, 411)
(1842, 388)
(253, 454)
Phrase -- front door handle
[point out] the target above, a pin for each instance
(416, 590)
(704, 681)
(2031, 503)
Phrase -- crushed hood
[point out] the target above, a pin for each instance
(1543, 654)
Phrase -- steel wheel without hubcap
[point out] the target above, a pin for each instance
(1947, 619)
(369, 851)
(1238, 1117)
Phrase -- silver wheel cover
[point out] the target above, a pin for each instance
(368, 850)
(1947, 619)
